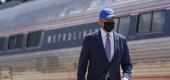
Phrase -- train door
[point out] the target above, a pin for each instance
(5, 73)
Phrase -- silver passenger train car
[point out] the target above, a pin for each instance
(41, 39)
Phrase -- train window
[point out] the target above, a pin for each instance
(96, 29)
(144, 23)
(124, 24)
(158, 21)
(116, 24)
(90, 30)
(2, 42)
(79, 34)
(34, 39)
(69, 36)
(74, 36)
(49, 39)
(64, 36)
(54, 38)
(84, 33)
(59, 37)
(15, 41)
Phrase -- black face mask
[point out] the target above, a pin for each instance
(108, 26)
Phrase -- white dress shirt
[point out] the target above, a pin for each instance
(104, 36)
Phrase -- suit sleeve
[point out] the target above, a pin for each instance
(83, 60)
(126, 61)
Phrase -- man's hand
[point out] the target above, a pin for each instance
(124, 79)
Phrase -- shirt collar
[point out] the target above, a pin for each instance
(103, 33)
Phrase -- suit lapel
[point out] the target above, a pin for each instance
(116, 43)
(100, 44)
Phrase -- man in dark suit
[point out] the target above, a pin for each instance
(103, 52)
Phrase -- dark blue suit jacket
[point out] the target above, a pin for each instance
(93, 58)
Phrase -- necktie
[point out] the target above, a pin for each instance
(108, 47)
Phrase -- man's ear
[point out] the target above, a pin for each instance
(101, 22)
